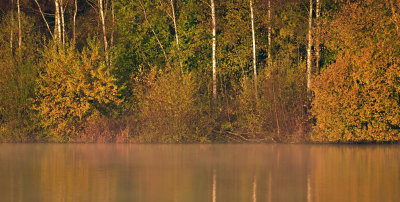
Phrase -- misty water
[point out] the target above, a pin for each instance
(198, 173)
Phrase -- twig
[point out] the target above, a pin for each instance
(159, 43)
(47, 24)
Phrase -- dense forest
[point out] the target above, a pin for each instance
(188, 71)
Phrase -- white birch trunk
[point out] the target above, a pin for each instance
(254, 48)
(12, 26)
(214, 46)
(103, 24)
(113, 23)
(176, 34)
(62, 9)
(309, 46)
(19, 28)
(317, 48)
(57, 27)
(269, 35)
(74, 21)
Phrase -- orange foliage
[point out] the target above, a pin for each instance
(357, 97)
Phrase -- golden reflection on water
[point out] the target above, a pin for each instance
(198, 173)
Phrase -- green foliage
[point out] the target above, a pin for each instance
(17, 80)
(357, 97)
(67, 92)
(72, 87)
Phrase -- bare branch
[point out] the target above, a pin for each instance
(44, 19)
(158, 41)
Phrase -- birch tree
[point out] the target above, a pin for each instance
(113, 23)
(269, 35)
(19, 28)
(214, 46)
(317, 43)
(62, 10)
(254, 47)
(103, 25)
(176, 33)
(74, 21)
(12, 26)
(309, 46)
(57, 27)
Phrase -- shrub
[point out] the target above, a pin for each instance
(357, 97)
(278, 113)
(167, 108)
(72, 88)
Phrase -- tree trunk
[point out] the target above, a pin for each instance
(62, 9)
(176, 34)
(19, 28)
(214, 46)
(57, 27)
(254, 48)
(317, 48)
(309, 47)
(269, 35)
(113, 23)
(74, 23)
(103, 23)
(12, 26)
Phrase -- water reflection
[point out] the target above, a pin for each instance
(191, 173)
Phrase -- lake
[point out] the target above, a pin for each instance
(198, 173)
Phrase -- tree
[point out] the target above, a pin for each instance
(103, 26)
(11, 26)
(254, 48)
(317, 43)
(19, 30)
(176, 33)
(17, 80)
(269, 35)
(74, 21)
(57, 27)
(214, 46)
(62, 10)
(309, 46)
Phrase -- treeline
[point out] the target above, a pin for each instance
(199, 71)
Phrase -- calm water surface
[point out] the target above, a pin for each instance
(198, 173)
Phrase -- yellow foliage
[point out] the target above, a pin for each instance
(73, 86)
(167, 108)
